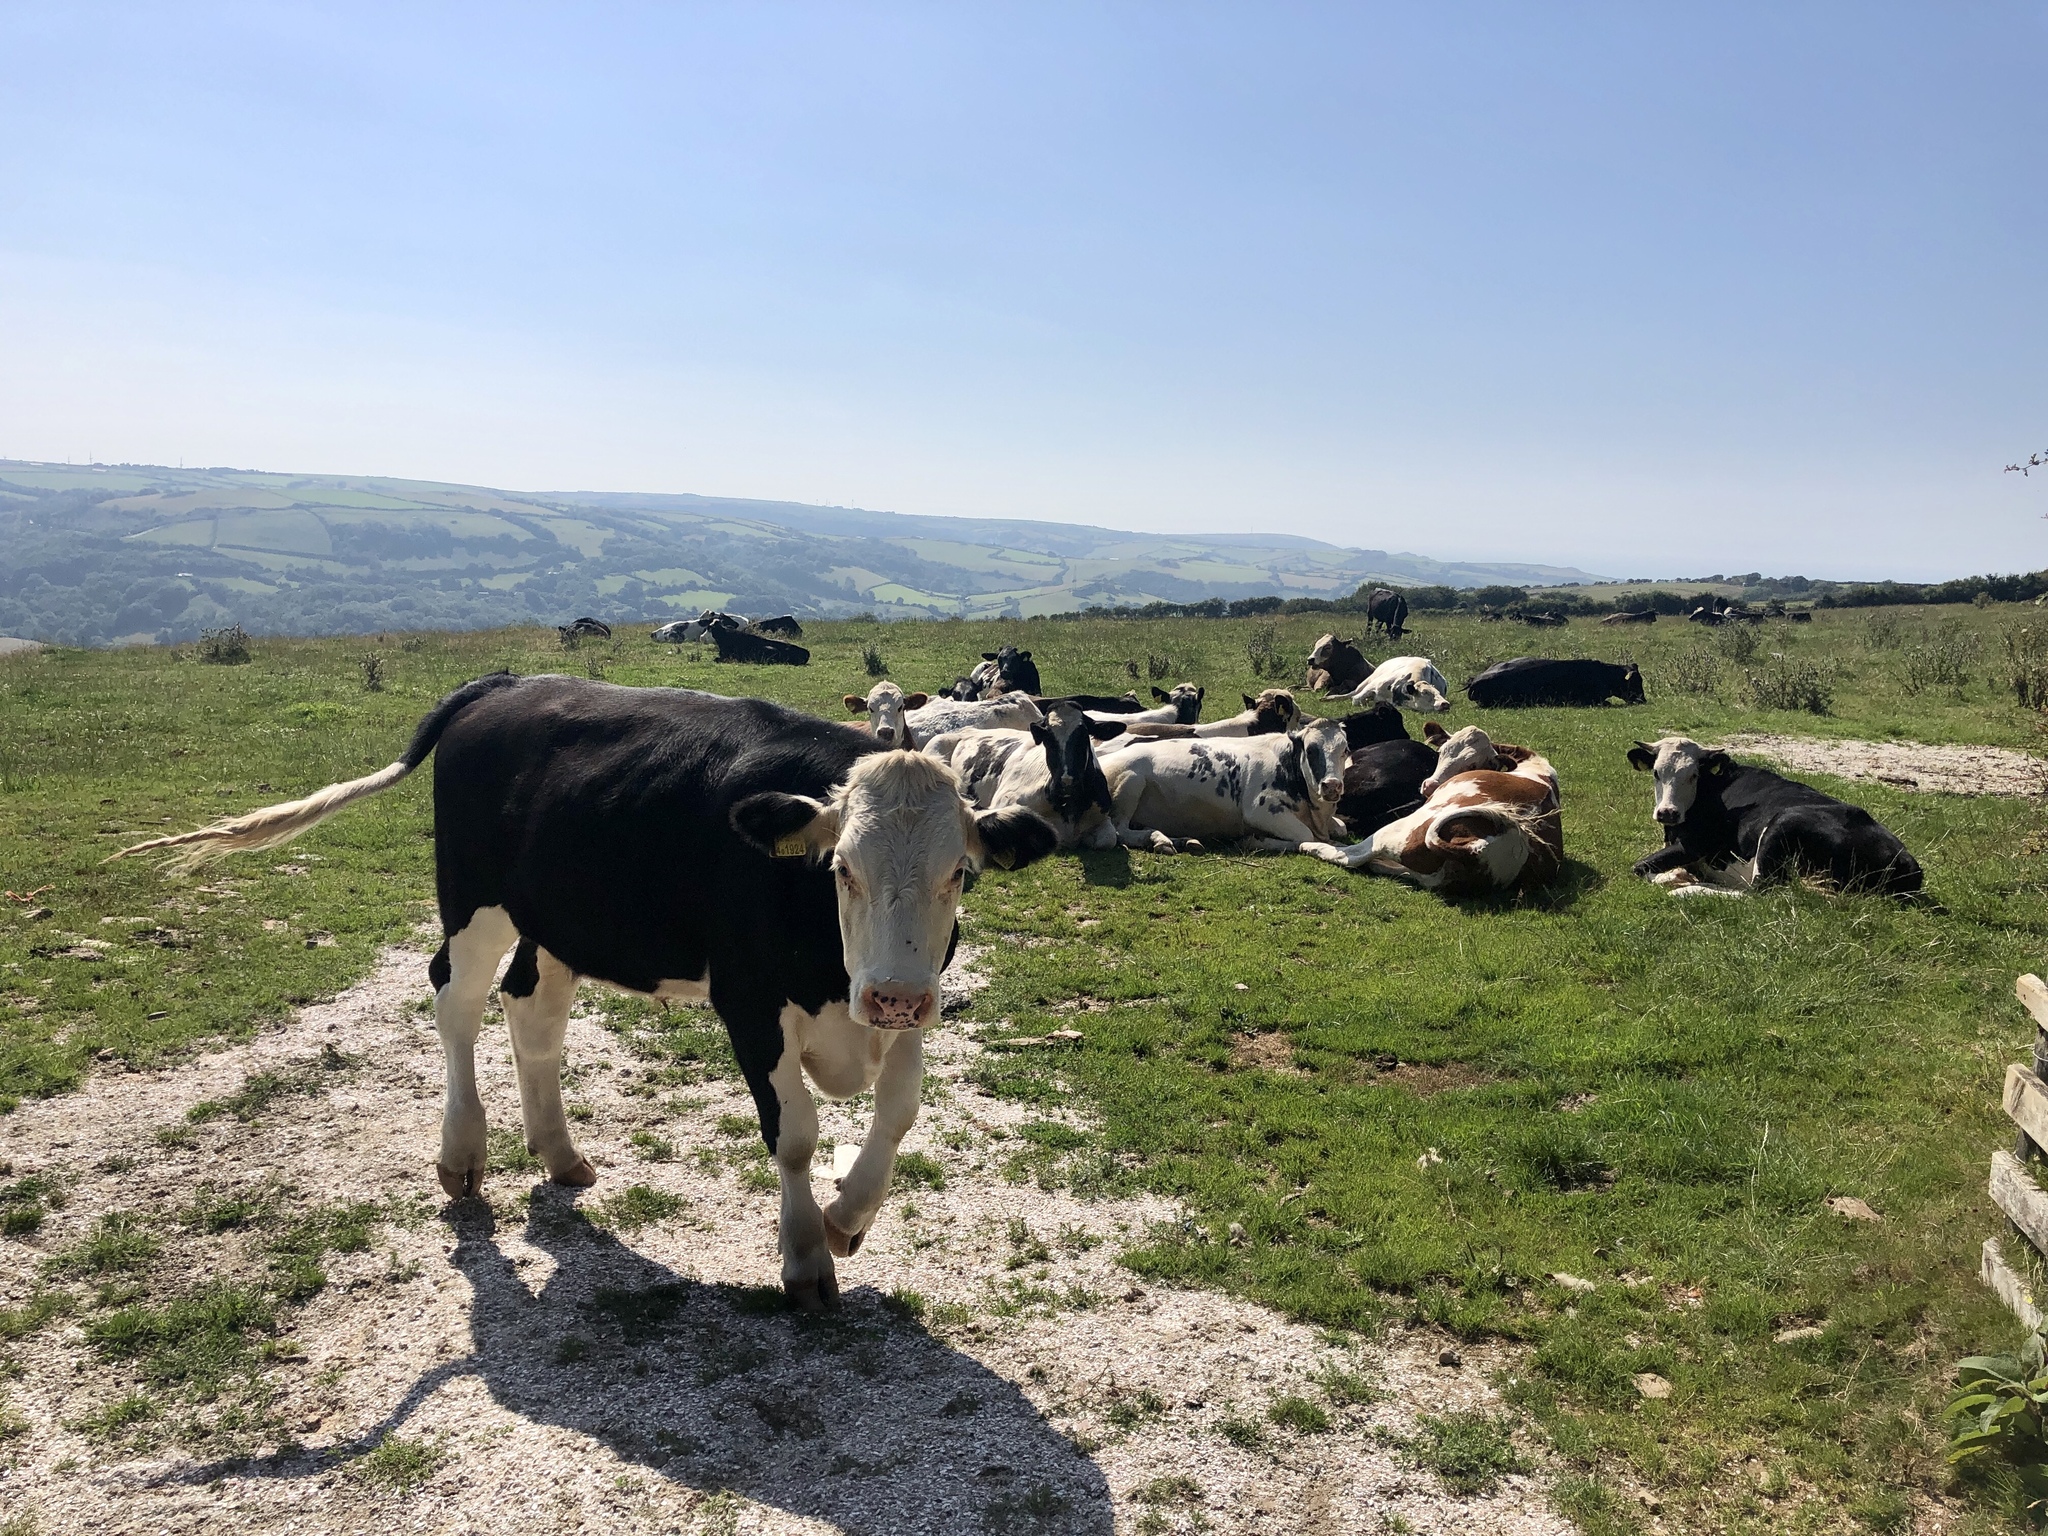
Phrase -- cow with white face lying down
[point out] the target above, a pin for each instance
(1729, 827)
(1009, 712)
(885, 706)
(1278, 791)
(576, 826)
(1336, 666)
(1181, 706)
(1272, 711)
(1490, 821)
(1406, 682)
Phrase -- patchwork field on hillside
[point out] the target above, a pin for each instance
(1595, 1131)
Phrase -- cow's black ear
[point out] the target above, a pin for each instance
(1039, 733)
(1719, 764)
(1160, 693)
(1642, 757)
(1023, 655)
(1103, 730)
(988, 655)
(786, 826)
(1249, 701)
(1013, 837)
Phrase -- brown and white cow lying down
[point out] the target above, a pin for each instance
(1278, 791)
(1272, 712)
(1336, 666)
(576, 824)
(885, 706)
(1492, 821)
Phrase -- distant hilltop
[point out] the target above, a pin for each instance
(102, 554)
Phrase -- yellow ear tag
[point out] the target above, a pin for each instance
(1007, 859)
(794, 846)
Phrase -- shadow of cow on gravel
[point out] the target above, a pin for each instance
(859, 1418)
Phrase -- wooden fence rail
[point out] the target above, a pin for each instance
(2013, 1187)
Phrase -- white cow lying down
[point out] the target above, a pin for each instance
(1406, 682)
(1012, 711)
(1280, 791)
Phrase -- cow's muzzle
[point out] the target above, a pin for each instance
(1669, 816)
(894, 1005)
(886, 735)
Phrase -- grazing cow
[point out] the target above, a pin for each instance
(1279, 791)
(1010, 712)
(1729, 827)
(1336, 666)
(1711, 611)
(744, 645)
(1006, 670)
(584, 628)
(1490, 821)
(783, 624)
(1386, 609)
(575, 823)
(1062, 784)
(1271, 712)
(885, 706)
(1523, 680)
(1640, 616)
(1406, 682)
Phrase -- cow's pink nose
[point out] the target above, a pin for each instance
(889, 1006)
(1332, 788)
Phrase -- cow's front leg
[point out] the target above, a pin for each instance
(538, 991)
(1673, 855)
(462, 974)
(807, 1273)
(1278, 830)
(897, 1087)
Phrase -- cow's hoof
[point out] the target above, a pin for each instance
(582, 1176)
(819, 1295)
(1192, 845)
(844, 1245)
(465, 1185)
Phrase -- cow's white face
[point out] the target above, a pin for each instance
(900, 841)
(1406, 682)
(1324, 653)
(885, 706)
(1466, 751)
(1325, 751)
(1677, 763)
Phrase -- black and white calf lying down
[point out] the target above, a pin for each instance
(1729, 827)
(576, 824)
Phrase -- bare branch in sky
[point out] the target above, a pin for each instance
(2038, 461)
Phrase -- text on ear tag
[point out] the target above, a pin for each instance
(794, 846)
(1006, 858)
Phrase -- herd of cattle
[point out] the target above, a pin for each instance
(573, 816)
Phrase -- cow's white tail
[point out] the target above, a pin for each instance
(271, 826)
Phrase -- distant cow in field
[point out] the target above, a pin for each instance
(1550, 620)
(1640, 616)
(1490, 821)
(1729, 827)
(886, 706)
(1336, 666)
(783, 625)
(1527, 680)
(1005, 670)
(584, 629)
(1406, 682)
(745, 645)
(577, 826)
(1386, 610)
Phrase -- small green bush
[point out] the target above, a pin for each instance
(1788, 683)
(1471, 1451)
(1696, 671)
(227, 647)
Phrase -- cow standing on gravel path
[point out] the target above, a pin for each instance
(576, 823)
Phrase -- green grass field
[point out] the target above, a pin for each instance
(1413, 1108)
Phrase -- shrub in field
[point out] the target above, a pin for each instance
(1788, 683)
(1737, 641)
(1156, 667)
(1263, 651)
(1883, 631)
(871, 659)
(224, 647)
(2026, 666)
(1696, 671)
(1941, 660)
(373, 673)
(1998, 1413)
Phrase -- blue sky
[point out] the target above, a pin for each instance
(1645, 289)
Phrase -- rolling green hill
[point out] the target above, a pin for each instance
(103, 554)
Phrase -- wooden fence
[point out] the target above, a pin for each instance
(2013, 1188)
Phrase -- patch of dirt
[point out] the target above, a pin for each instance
(642, 1380)
(1269, 1051)
(1905, 764)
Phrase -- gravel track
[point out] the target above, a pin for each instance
(584, 1379)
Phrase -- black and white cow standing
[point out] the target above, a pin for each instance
(574, 823)
(1729, 827)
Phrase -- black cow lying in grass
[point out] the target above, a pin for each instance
(744, 645)
(1523, 680)
(575, 824)
(1729, 827)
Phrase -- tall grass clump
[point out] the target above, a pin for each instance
(1941, 660)
(1737, 642)
(1786, 682)
(871, 659)
(2025, 668)
(227, 647)
(1696, 671)
(1263, 651)
(1883, 631)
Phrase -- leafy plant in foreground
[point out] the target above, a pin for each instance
(1998, 1414)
